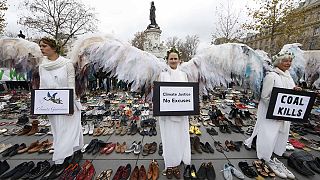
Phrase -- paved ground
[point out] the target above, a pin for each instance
(102, 162)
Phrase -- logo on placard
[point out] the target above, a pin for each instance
(53, 98)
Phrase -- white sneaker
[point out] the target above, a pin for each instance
(86, 129)
(276, 169)
(91, 128)
(236, 172)
(83, 149)
(284, 168)
(289, 146)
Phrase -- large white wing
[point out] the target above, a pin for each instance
(20, 54)
(312, 71)
(219, 65)
(305, 65)
(122, 60)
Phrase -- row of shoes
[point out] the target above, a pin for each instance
(40, 147)
(199, 147)
(205, 171)
(96, 146)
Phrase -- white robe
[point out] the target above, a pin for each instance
(66, 130)
(272, 135)
(174, 130)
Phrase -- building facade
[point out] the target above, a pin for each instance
(309, 27)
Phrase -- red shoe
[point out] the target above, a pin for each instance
(295, 143)
(110, 149)
(82, 172)
(90, 173)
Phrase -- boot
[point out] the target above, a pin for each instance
(35, 128)
(22, 120)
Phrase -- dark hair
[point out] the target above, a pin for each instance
(173, 50)
(51, 42)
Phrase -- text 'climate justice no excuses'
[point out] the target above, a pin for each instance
(174, 100)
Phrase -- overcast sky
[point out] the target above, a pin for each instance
(124, 18)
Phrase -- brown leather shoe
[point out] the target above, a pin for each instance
(35, 128)
(32, 145)
(39, 146)
(135, 173)
(142, 173)
(149, 174)
(118, 147)
(155, 170)
(98, 131)
(123, 147)
(196, 144)
(25, 130)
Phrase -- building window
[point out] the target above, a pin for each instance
(316, 31)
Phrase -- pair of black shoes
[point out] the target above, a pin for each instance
(224, 129)
(212, 131)
(206, 147)
(94, 146)
(11, 151)
(133, 129)
(18, 171)
(206, 171)
(152, 131)
(41, 168)
(4, 166)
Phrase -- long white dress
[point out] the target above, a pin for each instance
(272, 135)
(66, 130)
(174, 130)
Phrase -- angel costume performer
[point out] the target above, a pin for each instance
(66, 130)
(272, 135)
(174, 130)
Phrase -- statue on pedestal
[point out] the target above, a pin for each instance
(153, 17)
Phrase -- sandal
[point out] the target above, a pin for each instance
(268, 171)
(169, 173)
(258, 165)
(176, 172)
(247, 170)
(229, 145)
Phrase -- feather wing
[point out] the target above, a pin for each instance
(120, 59)
(219, 65)
(312, 71)
(20, 54)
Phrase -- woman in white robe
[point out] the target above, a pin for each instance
(272, 135)
(174, 130)
(57, 72)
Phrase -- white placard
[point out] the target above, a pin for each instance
(51, 101)
(176, 98)
(291, 106)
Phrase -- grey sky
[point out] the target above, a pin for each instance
(124, 18)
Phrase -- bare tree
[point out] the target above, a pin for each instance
(10, 34)
(187, 47)
(138, 40)
(3, 7)
(228, 28)
(61, 19)
(277, 18)
(172, 41)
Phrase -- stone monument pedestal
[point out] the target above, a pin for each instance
(152, 43)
